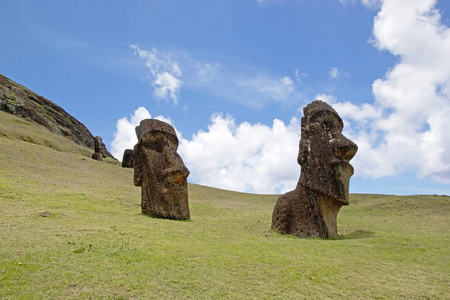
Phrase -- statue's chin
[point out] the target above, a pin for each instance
(175, 192)
(343, 172)
(339, 196)
(335, 187)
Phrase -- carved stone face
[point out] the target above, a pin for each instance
(127, 160)
(98, 144)
(160, 171)
(325, 152)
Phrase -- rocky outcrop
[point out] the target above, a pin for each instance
(20, 101)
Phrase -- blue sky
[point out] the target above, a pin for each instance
(233, 76)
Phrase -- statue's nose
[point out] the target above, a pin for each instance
(176, 172)
(345, 148)
(177, 176)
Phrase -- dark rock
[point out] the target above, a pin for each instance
(20, 101)
(97, 156)
(311, 209)
(127, 160)
(98, 145)
(160, 171)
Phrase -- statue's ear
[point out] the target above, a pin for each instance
(303, 151)
(137, 166)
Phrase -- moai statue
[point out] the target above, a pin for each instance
(311, 209)
(103, 149)
(98, 155)
(160, 171)
(127, 160)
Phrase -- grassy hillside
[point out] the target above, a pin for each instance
(71, 228)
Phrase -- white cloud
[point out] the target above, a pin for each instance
(335, 73)
(369, 3)
(244, 157)
(300, 75)
(347, 110)
(250, 87)
(167, 86)
(265, 87)
(405, 129)
(125, 135)
(435, 144)
(165, 73)
(287, 83)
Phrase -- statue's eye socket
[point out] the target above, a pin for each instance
(160, 142)
(155, 141)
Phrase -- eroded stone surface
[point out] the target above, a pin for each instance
(324, 154)
(98, 153)
(127, 160)
(160, 171)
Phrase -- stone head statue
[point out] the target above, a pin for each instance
(324, 152)
(160, 171)
(98, 144)
(323, 188)
(98, 155)
(127, 160)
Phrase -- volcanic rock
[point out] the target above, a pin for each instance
(160, 171)
(20, 101)
(324, 154)
(127, 160)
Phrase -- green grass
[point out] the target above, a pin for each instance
(71, 228)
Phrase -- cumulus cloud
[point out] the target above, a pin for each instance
(403, 130)
(125, 134)
(165, 73)
(359, 114)
(244, 157)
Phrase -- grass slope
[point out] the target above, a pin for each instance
(71, 228)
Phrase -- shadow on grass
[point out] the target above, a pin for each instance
(358, 234)
(153, 216)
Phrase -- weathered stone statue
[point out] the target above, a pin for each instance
(127, 160)
(160, 171)
(98, 154)
(311, 209)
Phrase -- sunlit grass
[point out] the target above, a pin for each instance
(71, 228)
